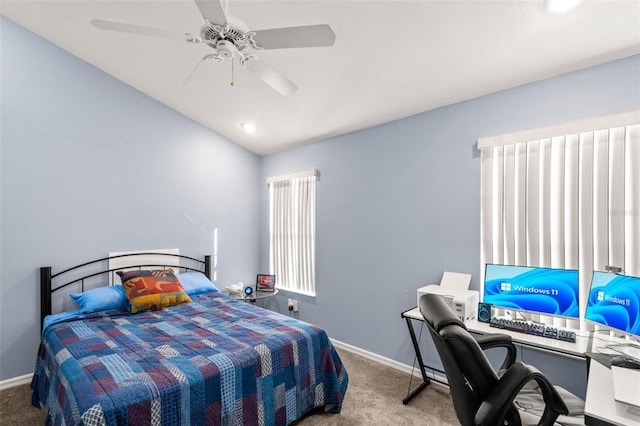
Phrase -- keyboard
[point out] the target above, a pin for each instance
(534, 329)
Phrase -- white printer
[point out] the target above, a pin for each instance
(463, 302)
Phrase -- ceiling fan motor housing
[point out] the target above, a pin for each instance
(225, 49)
(234, 35)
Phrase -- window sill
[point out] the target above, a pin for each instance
(294, 291)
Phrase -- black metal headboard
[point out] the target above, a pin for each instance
(46, 277)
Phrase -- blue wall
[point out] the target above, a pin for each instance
(399, 203)
(90, 165)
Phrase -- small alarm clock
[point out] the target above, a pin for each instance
(248, 291)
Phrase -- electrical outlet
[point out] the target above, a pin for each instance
(293, 305)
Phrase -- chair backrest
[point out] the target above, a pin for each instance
(469, 373)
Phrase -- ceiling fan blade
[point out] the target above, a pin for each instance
(305, 36)
(140, 29)
(184, 83)
(197, 67)
(212, 11)
(272, 77)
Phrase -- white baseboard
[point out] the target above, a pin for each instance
(386, 361)
(15, 381)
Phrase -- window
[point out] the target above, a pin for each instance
(564, 197)
(292, 231)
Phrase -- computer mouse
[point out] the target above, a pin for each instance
(625, 362)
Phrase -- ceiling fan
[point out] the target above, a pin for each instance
(229, 38)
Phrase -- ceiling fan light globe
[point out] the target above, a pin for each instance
(225, 49)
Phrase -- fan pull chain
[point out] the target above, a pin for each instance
(233, 83)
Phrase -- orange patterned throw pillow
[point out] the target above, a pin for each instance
(152, 289)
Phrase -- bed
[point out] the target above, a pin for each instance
(213, 360)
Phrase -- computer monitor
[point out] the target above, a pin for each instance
(614, 302)
(547, 291)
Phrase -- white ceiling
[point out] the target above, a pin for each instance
(391, 58)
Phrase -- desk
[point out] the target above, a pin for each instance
(578, 349)
(599, 403)
(414, 314)
(600, 408)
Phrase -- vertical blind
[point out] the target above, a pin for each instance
(570, 202)
(292, 212)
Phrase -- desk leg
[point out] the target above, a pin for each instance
(425, 379)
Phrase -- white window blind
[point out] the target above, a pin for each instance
(569, 201)
(292, 229)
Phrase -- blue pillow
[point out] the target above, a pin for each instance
(101, 299)
(196, 283)
(56, 318)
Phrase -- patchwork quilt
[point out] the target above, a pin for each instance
(215, 361)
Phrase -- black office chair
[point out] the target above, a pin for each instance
(480, 395)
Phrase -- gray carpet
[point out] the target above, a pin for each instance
(374, 396)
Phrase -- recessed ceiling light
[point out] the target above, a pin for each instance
(560, 6)
(249, 127)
